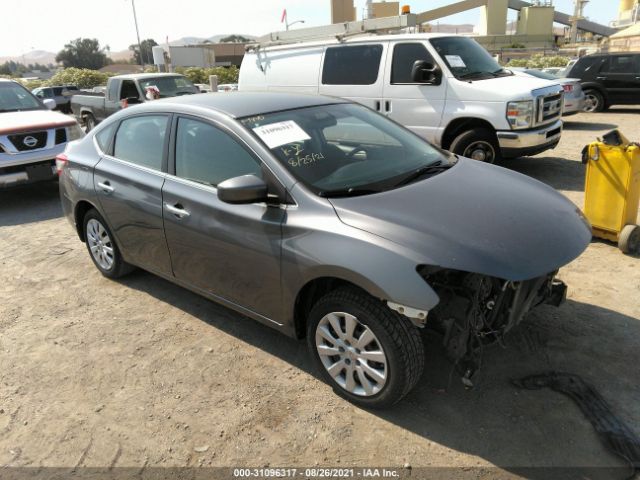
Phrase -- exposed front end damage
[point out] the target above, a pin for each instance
(477, 310)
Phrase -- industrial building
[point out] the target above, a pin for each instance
(207, 55)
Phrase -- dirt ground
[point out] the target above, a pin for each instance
(142, 373)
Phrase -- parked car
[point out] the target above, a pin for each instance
(228, 87)
(447, 89)
(324, 220)
(124, 90)
(555, 71)
(608, 79)
(60, 94)
(30, 135)
(573, 100)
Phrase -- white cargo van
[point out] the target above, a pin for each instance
(446, 88)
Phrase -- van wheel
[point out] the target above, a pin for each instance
(594, 101)
(102, 247)
(369, 354)
(478, 144)
(89, 122)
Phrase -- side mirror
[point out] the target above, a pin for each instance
(133, 100)
(426, 72)
(49, 103)
(243, 189)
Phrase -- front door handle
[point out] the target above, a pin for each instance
(601, 78)
(106, 187)
(177, 210)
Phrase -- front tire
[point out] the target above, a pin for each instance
(478, 144)
(594, 101)
(102, 247)
(369, 354)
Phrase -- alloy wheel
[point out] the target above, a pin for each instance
(351, 354)
(100, 244)
(591, 103)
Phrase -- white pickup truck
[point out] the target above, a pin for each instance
(31, 136)
(445, 88)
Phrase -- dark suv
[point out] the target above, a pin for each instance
(608, 79)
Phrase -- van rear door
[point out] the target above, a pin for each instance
(417, 106)
(355, 72)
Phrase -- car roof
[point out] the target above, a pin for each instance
(137, 76)
(243, 104)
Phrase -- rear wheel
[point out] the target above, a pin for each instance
(594, 101)
(478, 144)
(369, 354)
(629, 241)
(89, 122)
(102, 247)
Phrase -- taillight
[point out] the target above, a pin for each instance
(61, 161)
(567, 88)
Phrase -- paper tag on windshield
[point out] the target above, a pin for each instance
(455, 61)
(281, 133)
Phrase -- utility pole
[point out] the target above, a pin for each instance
(135, 20)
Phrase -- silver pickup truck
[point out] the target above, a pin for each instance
(31, 136)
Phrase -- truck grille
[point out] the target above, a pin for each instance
(28, 141)
(549, 108)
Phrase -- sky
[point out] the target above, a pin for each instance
(111, 21)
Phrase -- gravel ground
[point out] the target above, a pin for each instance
(142, 373)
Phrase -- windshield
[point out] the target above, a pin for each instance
(170, 86)
(467, 59)
(539, 74)
(345, 149)
(15, 98)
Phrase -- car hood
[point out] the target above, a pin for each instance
(477, 218)
(504, 89)
(32, 120)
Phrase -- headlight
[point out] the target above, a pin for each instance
(520, 114)
(74, 132)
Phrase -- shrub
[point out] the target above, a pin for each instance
(540, 61)
(81, 77)
(201, 75)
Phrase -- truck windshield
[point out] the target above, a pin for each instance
(467, 59)
(169, 86)
(15, 98)
(345, 149)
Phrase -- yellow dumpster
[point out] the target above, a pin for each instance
(612, 190)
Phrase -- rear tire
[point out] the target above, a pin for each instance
(629, 240)
(594, 101)
(102, 247)
(89, 122)
(478, 144)
(375, 358)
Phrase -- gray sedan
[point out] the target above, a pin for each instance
(326, 221)
(574, 98)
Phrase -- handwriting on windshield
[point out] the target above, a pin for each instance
(306, 160)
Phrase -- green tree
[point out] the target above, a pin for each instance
(83, 53)
(81, 77)
(235, 39)
(147, 55)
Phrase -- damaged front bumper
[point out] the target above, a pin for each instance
(477, 310)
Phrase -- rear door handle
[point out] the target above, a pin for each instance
(177, 210)
(106, 187)
(387, 106)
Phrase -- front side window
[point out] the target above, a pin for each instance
(353, 65)
(140, 140)
(206, 154)
(128, 90)
(467, 59)
(16, 98)
(404, 56)
(170, 86)
(344, 149)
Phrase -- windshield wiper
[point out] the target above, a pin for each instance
(476, 74)
(347, 192)
(427, 169)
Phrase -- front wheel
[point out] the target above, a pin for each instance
(369, 354)
(478, 144)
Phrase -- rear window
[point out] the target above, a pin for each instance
(357, 65)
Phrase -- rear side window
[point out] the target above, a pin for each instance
(103, 137)
(113, 90)
(357, 65)
(208, 155)
(404, 56)
(619, 64)
(57, 91)
(140, 140)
